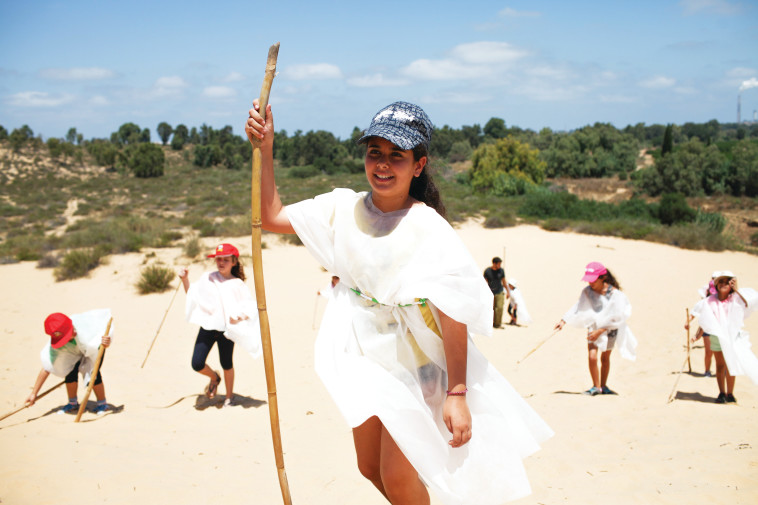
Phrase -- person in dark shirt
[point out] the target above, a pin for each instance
(495, 277)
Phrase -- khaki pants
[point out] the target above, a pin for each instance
(497, 305)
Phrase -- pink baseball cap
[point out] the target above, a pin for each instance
(225, 250)
(60, 328)
(593, 270)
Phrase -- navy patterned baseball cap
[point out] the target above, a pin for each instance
(404, 124)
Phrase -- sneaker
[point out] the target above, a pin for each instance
(721, 398)
(593, 391)
(731, 399)
(101, 408)
(69, 408)
(229, 402)
(707, 374)
(607, 391)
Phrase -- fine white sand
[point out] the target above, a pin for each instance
(165, 443)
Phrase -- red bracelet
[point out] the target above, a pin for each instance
(457, 393)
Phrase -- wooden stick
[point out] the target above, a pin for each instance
(161, 325)
(679, 376)
(93, 375)
(538, 346)
(260, 290)
(689, 365)
(38, 397)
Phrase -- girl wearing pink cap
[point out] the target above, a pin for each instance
(603, 310)
(227, 313)
(394, 348)
(722, 316)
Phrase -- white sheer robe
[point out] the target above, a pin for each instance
(385, 357)
(212, 300)
(725, 321)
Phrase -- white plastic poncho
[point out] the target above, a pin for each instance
(212, 300)
(522, 312)
(90, 327)
(385, 357)
(609, 310)
(725, 320)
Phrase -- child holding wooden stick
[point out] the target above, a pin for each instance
(603, 310)
(722, 316)
(394, 349)
(72, 350)
(222, 305)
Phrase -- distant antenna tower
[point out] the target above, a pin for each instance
(739, 105)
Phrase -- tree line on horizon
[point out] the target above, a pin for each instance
(692, 159)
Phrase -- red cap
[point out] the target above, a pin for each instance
(60, 328)
(225, 250)
(593, 271)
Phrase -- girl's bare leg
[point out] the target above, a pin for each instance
(721, 371)
(383, 463)
(605, 367)
(708, 353)
(592, 362)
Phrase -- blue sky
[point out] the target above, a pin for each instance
(95, 65)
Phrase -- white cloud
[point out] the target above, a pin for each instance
(220, 92)
(750, 83)
(456, 98)
(77, 74)
(617, 99)
(513, 13)
(375, 81)
(723, 7)
(39, 99)
(99, 100)
(168, 86)
(233, 77)
(475, 60)
(312, 71)
(658, 82)
(487, 52)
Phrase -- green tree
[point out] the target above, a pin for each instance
(673, 209)
(460, 151)
(743, 169)
(3, 133)
(668, 141)
(495, 128)
(19, 137)
(72, 136)
(128, 133)
(164, 131)
(506, 166)
(145, 159)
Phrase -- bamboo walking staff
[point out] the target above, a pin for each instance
(538, 346)
(260, 290)
(38, 397)
(689, 365)
(679, 376)
(93, 375)
(161, 325)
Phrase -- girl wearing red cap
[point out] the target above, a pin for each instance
(226, 311)
(603, 310)
(72, 350)
(722, 316)
(394, 347)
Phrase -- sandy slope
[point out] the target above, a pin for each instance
(165, 444)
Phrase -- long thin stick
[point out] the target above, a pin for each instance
(93, 375)
(679, 376)
(38, 397)
(260, 289)
(161, 325)
(538, 346)
(688, 340)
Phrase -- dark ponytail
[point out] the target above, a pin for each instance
(422, 187)
(610, 279)
(237, 270)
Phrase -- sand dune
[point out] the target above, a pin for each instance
(165, 443)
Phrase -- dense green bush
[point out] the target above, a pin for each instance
(155, 279)
(78, 263)
(673, 208)
(145, 159)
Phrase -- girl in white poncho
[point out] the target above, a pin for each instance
(722, 316)
(394, 348)
(603, 310)
(226, 311)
